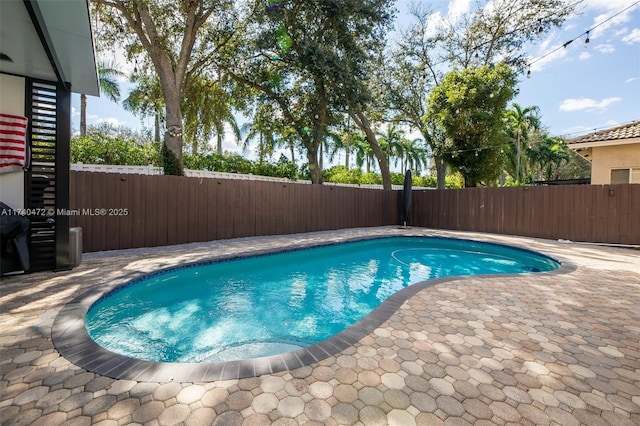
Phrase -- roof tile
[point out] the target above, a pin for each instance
(626, 131)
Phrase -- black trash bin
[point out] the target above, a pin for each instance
(14, 231)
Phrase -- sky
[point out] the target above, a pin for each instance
(578, 89)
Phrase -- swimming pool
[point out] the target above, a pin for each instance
(260, 306)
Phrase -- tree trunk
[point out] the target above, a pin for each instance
(361, 120)
(314, 168)
(83, 114)
(172, 155)
(441, 173)
(219, 147)
(518, 156)
(293, 152)
(157, 127)
(172, 148)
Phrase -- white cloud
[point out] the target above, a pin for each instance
(587, 104)
(632, 37)
(544, 61)
(584, 55)
(74, 112)
(605, 4)
(610, 23)
(111, 120)
(457, 8)
(434, 22)
(605, 48)
(629, 80)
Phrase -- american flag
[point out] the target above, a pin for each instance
(13, 149)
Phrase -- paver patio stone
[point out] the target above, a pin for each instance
(190, 394)
(291, 407)
(174, 415)
(466, 351)
(265, 403)
(317, 410)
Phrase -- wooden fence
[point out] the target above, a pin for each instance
(118, 211)
(588, 213)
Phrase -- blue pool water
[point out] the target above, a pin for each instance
(278, 303)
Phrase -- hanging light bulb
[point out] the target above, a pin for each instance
(529, 72)
(586, 42)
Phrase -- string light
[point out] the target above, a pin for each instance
(586, 42)
(565, 44)
(529, 72)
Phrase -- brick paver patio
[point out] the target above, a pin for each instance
(530, 349)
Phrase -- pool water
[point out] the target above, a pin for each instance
(278, 303)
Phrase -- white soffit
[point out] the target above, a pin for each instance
(66, 27)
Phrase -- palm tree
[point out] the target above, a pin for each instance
(364, 152)
(270, 133)
(520, 121)
(108, 81)
(146, 99)
(391, 142)
(415, 156)
(208, 108)
(266, 139)
(549, 155)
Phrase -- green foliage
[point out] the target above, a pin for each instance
(469, 106)
(575, 168)
(371, 179)
(340, 174)
(424, 181)
(522, 125)
(307, 61)
(397, 178)
(454, 181)
(238, 164)
(108, 145)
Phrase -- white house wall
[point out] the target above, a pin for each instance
(613, 157)
(12, 102)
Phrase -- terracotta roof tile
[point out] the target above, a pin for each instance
(626, 131)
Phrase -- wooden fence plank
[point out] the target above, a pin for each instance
(112, 223)
(170, 210)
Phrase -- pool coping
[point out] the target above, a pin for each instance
(71, 339)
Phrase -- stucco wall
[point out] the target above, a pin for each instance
(12, 102)
(606, 158)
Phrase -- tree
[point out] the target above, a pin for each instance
(490, 32)
(548, 155)
(305, 59)
(364, 152)
(179, 40)
(207, 107)
(470, 105)
(415, 155)
(146, 100)
(392, 142)
(108, 81)
(520, 123)
(106, 144)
